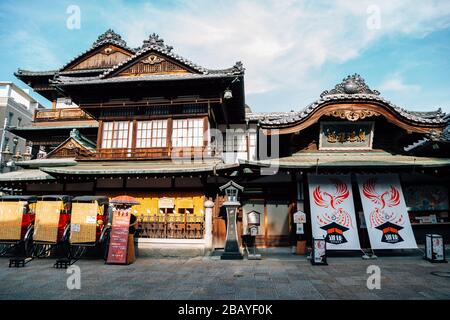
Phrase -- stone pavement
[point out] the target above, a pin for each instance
(277, 277)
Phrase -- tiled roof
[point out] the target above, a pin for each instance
(78, 71)
(52, 162)
(79, 138)
(22, 72)
(270, 116)
(156, 44)
(140, 167)
(82, 140)
(108, 37)
(354, 89)
(157, 77)
(446, 134)
(51, 73)
(76, 124)
(349, 159)
(25, 175)
(432, 137)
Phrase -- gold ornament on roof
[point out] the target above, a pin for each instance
(153, 59)
(352, 115)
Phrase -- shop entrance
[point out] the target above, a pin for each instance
(171, 216)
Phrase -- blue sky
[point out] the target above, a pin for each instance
(292, 50)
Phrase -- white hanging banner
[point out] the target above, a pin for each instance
(385, 212)
(333, 211)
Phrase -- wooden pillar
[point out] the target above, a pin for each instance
(54, 104)
(99, 135)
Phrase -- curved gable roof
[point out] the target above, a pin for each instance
(154, 44)
(353, 90)
(109, 37)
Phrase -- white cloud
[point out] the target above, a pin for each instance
(34, 51)
(395, 83)
(281, 43)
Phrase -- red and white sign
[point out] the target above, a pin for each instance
(385, 212)
(333, 211)
(118, 243)
(299, 217)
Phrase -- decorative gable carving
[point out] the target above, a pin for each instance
(153, 64)
(105, 57)
(352, 114)
(76, 146)
(69, 149)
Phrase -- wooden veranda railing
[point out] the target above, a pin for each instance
(154, 153)
(60, 115)
(171, 226)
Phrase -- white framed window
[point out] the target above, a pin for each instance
(151, 134)
(187, 133)
(235, 141)
(117, 135)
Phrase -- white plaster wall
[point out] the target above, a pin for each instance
(4, 90)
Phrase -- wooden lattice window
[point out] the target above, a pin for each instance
(235, 141)
(117, 134)
(187, 133)
(151, 134)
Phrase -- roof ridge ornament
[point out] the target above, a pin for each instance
(109, 36)
(239, 66)
(74, 133)
(352, 84)
(155, 40)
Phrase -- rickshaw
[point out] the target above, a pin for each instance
(90, 225)
(17, 215)
(52, 224)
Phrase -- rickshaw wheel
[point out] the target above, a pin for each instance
(104, 244)
(40, 250)
(76, 252)
(4, 248)
(29, 245)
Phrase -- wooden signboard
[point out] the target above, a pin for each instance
(346, 135)
(166, 203)
(118, 244)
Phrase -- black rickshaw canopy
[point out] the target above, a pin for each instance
(29, 199)
(101, 200)
(53, 197)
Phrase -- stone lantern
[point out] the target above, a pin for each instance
(231, 204)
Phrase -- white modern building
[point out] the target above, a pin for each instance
(16, 109)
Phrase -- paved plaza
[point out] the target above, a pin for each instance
(275, 277)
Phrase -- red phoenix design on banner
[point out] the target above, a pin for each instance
(387, 199)
(332, 201)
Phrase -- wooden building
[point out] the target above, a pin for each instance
(152, 124)
(352, 130)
